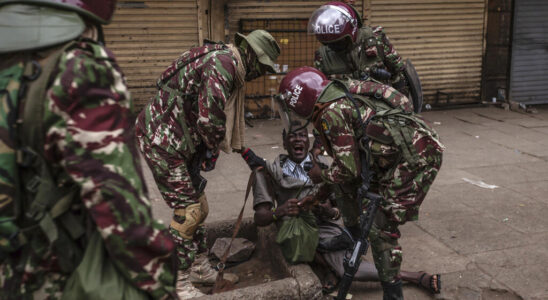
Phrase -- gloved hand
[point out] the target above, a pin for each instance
(209, 161)
(252, 160)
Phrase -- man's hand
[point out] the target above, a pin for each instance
(315, 153)
(209, 161)
(289, 208)
(307, 202)
(315, 173)
(252, 160)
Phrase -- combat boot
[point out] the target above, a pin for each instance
(392, 291)
(202, 272)
(184, 288)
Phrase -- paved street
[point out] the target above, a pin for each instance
(483, 225)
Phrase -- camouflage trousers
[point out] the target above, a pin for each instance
(386, 251)
(384, 235)
(174, 182)
(405, 186)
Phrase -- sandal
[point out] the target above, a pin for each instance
(434, 285)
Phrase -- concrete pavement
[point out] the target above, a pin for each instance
(487, 242)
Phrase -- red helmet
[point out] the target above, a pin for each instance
(334, 22)
(100, 11)
(301, 88)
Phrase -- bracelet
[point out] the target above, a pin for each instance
(274, 217)
(337, 214)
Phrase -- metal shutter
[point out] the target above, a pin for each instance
(529, 75)
(444, 39)
(287, 22)
(242, 9)
(146, 36)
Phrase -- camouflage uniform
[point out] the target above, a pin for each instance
(372, 50)
(186, 114)
(403, 185)
(86, 116)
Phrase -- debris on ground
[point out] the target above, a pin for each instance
(480, 183)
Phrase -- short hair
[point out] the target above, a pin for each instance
(293, 123)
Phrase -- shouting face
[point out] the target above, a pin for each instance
(297, 143)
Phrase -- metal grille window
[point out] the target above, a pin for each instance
(297, 50)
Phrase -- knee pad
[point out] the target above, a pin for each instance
(194, 214)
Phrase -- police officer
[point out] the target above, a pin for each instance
(405, 155)
(198, 111)
(354, 49)
(74, 216)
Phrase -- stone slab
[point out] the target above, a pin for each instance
(537, 190)
(522, 269)
(467, 234)
(505, 174)
(534, 135)
(536, 147)
(503, 206)
(468, 151)
(449, 176)
(473, 284)
(530, 122)
(423, 252)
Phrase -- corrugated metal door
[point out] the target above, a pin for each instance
(444, 39)
(146, 36)
(529, 75)
(287, 22)
(275, 9)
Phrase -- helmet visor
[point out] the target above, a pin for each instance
(329, 20)
(291, 122)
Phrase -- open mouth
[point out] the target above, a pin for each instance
(298, 149)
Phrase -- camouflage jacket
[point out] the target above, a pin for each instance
(188, 108)
(340, 129)
(86, 119)
(372, 50)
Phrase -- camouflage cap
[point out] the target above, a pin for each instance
(264, 45)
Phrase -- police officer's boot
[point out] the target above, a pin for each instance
(184, 288)
(392, 290)
(202, 272)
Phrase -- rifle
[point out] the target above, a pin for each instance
(352, 259)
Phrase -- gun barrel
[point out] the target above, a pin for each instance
(344, 285)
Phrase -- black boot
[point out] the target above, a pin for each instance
(392, 291)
